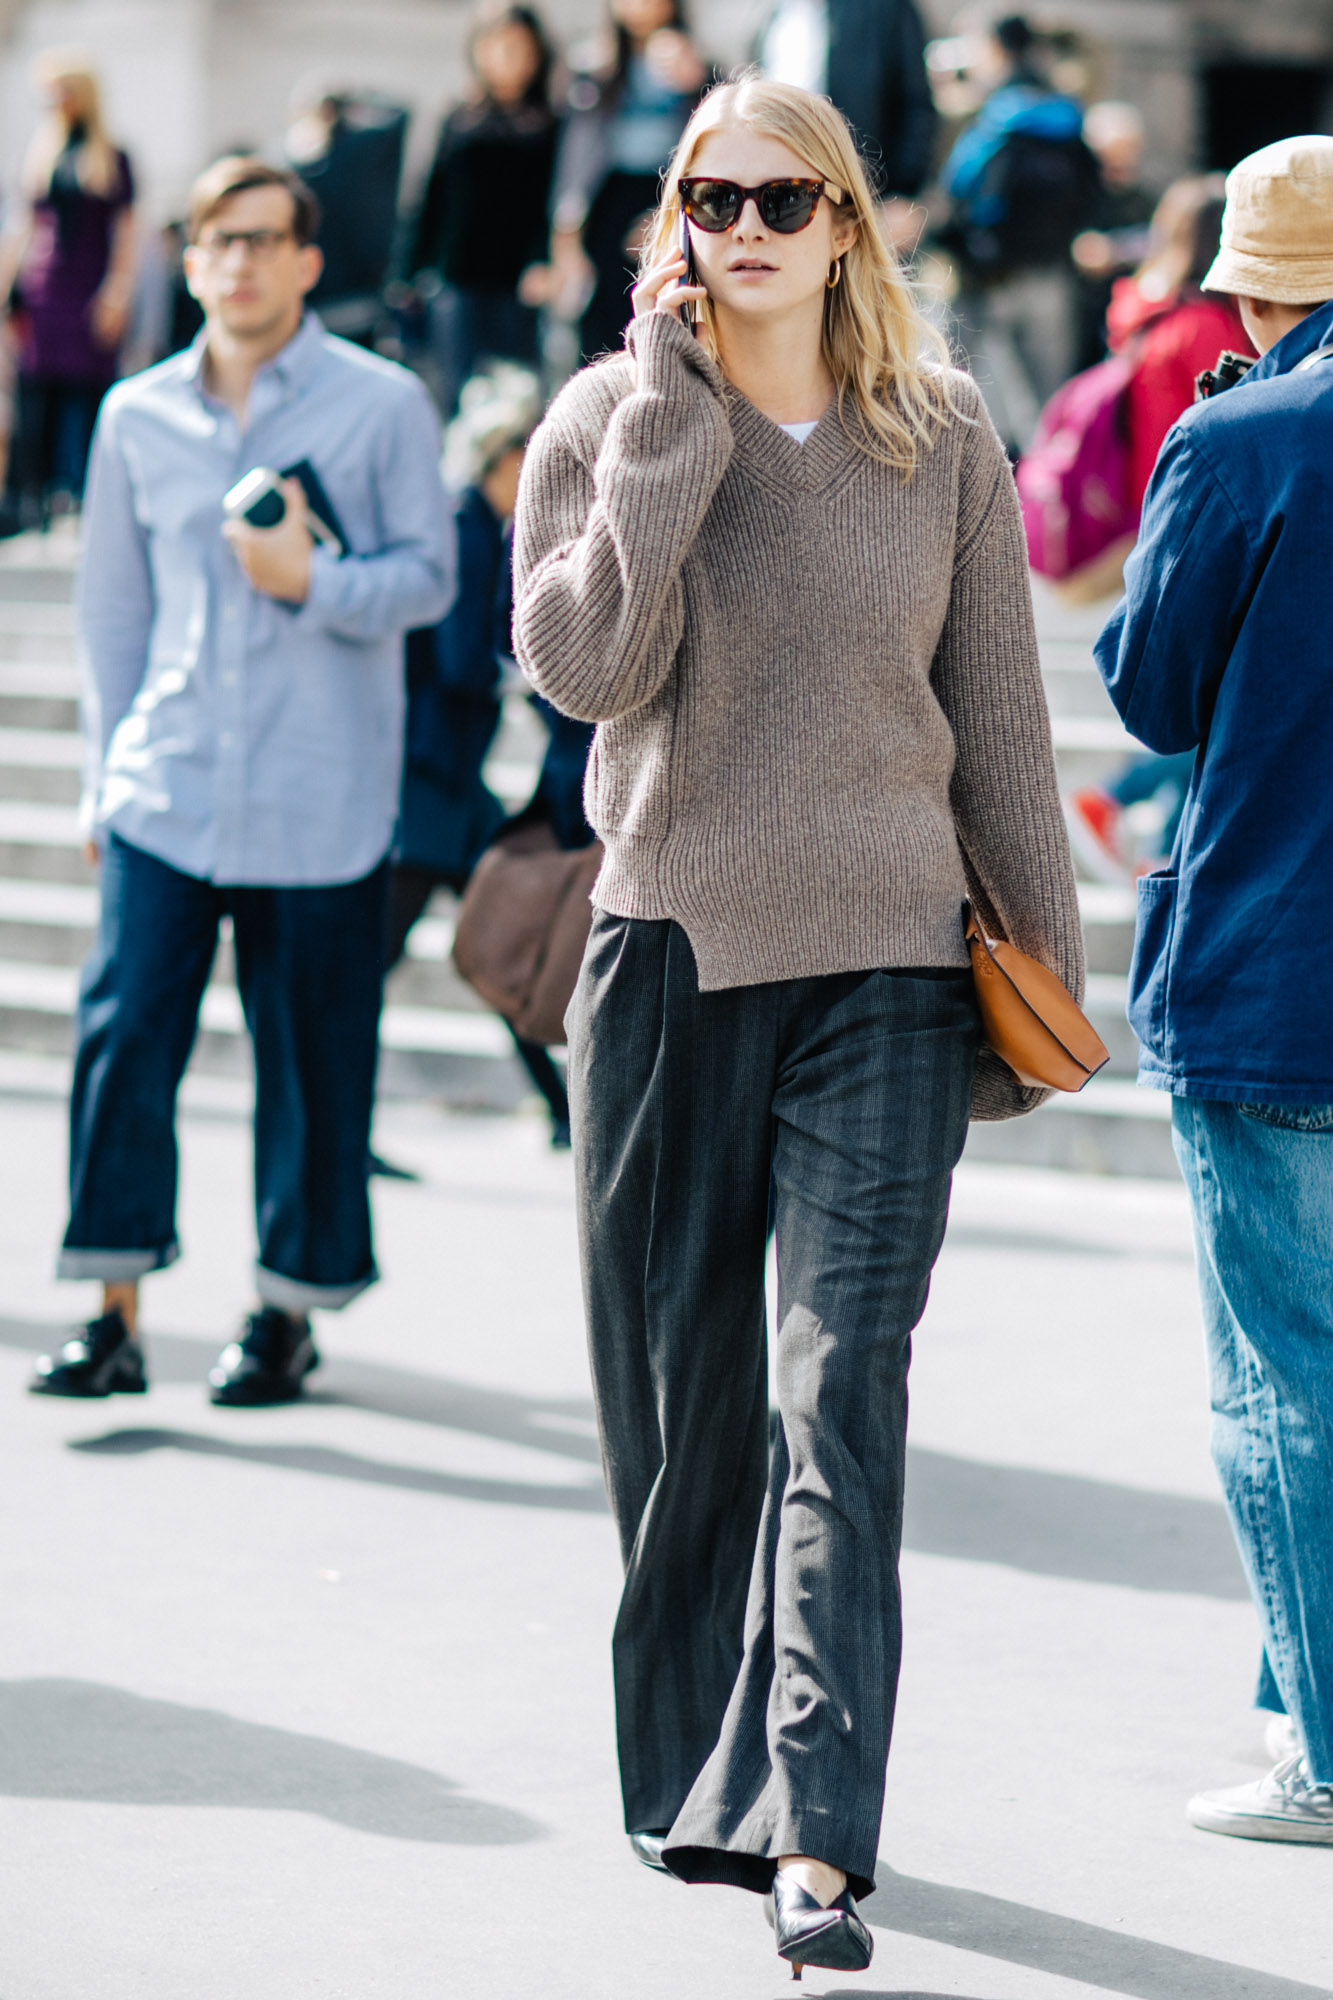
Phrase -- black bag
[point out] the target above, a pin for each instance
(523, 926)
(1039, 194)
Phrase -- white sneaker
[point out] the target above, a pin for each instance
(1283, 1806)
(1280, 1738)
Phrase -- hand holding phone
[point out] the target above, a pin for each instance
(665, 287)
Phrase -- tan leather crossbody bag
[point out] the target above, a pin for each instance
(1028, 1018)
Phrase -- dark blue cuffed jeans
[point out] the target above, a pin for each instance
(757, 1645)
(309, 969)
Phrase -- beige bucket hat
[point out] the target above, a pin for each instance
(1277, 229)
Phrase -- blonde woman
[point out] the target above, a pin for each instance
(777, 558)
(72, 253)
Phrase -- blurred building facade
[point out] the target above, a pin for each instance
(186, 78)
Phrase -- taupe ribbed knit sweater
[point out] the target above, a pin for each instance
(821, 720)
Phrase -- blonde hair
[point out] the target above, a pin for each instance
(96, 166)
(888, 363)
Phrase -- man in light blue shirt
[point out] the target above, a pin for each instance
(243, 714)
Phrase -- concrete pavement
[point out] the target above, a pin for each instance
(316, 1702)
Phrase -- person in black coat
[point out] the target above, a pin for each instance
(869, 57)
(484, 214)
(630, 97)
(348, 149)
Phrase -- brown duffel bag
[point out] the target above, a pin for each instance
(522, 928)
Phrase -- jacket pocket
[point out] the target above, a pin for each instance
(1150, 966)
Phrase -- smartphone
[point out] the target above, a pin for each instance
(688, 309)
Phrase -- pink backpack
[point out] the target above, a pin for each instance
(1073, 480)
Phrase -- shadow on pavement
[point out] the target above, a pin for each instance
(78, 1740)
(1045, 1523)
(1020, 1935)
(562, 1425)
(1035, 1243)
(1054, 1524)
(330, 1463)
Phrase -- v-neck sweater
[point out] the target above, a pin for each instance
(820, 716)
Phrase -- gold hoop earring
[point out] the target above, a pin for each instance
(836, 268)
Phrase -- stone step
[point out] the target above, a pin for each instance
(53, 678)
(1108, 925)
(1077, 694)
(37, 1003)
(37, 697)
(40, 564)
(1072, 684)
(40, 841)
(39, 764)
(39, 783)
(50, 648)
(52, 924)
(1109, 1127)
(47, 923)
(1105, 735)
(46, 749)
(34, 618)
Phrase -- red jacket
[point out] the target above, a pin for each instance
(1175, 339)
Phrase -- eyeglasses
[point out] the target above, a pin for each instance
(261, 244)
(785, 206)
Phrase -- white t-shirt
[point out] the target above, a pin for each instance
(795, 48)
(799, 431)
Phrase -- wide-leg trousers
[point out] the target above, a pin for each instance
(757, 1645)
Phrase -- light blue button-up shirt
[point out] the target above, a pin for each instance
(239, 739)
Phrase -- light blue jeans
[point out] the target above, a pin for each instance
(1260, 1181)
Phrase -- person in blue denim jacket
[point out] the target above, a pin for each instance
(1221, 647)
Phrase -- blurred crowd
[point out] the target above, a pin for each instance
(1024, 209)
(1024, 206)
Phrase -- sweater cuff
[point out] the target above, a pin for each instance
(663, 346)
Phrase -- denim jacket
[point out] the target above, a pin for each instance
(1223, 644)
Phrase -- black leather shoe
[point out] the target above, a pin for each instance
(647, 1847)
(100, 1360)
(833, 1938)
(267, 1364)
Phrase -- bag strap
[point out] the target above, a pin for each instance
(1324, 353)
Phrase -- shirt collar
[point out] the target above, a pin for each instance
(1305, 336)
(289, 368)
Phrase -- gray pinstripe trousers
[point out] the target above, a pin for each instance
(757, 1644)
